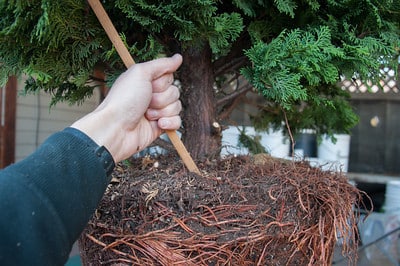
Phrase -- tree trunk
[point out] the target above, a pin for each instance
(199, 113)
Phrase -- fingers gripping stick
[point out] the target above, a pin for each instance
(128, 61)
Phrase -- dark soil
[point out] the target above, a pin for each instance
(242, 211)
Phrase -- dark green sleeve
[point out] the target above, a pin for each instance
(47, 199)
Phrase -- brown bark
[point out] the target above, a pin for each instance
(199, 103)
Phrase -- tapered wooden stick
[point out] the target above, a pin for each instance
(126, 57)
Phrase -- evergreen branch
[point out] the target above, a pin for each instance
(229, 108)
(228, 66)
(242, 90)
(235, 59)
(286, 6)
(252, 143)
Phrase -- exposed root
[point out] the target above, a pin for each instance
(238, 213)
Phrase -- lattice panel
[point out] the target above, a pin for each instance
(388, 84)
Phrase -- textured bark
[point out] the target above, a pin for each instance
(198, 98)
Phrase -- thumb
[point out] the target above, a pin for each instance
(161, 66)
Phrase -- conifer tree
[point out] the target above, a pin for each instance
(292, 52)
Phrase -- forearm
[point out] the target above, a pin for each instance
(47, 199)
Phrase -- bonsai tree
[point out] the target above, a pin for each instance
(292, 53)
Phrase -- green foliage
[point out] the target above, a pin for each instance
(297, 70)
(52, 42)
(297, 73)
(59, 43)
(226, 29)
(283, 69)
(247, 7)
(296, 50)
(191, 23)
(286, 6)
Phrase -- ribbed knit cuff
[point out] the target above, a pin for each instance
(102, 153)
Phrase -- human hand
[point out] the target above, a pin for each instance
(140, 105)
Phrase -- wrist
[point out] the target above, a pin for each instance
(101, 126)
